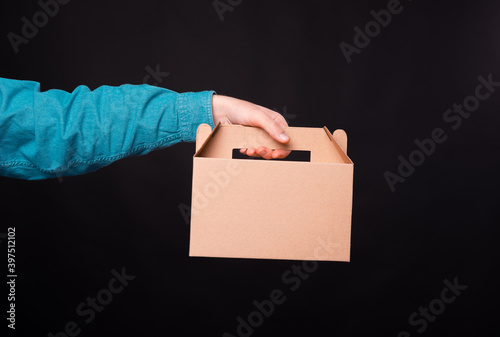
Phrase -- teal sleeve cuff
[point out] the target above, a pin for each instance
(194, 108)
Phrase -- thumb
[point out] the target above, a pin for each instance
(273, 123)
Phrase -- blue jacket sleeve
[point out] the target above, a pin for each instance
(56, 133)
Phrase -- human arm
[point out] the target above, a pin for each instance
(57, 133)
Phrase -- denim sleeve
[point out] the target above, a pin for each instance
(56, 133)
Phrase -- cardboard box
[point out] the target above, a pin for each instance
(271, 209)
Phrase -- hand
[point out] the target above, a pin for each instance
(236, 111)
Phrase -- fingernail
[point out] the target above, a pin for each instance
(284, 137)
(263, 153)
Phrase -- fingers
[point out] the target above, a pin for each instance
(266, 153)
(280, 153)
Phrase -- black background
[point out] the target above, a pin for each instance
(441, 223)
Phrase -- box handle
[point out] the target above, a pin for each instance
(220, 142)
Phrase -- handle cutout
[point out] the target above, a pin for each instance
(295, 155)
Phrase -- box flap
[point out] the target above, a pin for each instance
(340, 137)
(202, 133)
